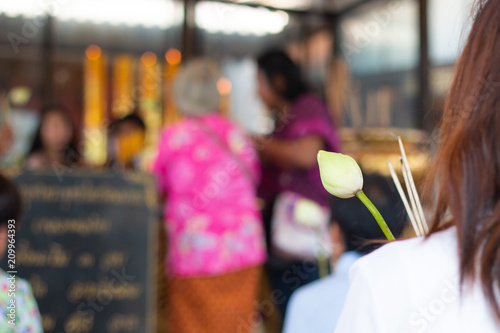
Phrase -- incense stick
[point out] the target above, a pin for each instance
(412, 198)
(405, 165)
(403, 198)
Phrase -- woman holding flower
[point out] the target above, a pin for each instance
(448, 281)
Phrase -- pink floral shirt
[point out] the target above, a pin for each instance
(211, 213)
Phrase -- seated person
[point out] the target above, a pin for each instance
(27, 317)
(316, 307)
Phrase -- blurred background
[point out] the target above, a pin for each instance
(382, 67)
(378, 64)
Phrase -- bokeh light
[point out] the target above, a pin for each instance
(93, 52)
(148, 59)
(224, 86)
(173, 57)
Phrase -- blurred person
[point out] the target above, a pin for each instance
(302, 127)
(6, 138)
(449, 280)
(6, 135)
(127, 136)
(316, 307)
(54, 142)
(208, 171)
(27, 316)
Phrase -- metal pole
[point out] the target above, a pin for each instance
(189, 30)
(424, 105)
(47, 88)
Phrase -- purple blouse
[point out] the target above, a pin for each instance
(307, 116)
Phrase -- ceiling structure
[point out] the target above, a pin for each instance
(307, 6)
(155, 25)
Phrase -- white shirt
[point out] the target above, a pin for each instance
(316, 307)
(413, 286)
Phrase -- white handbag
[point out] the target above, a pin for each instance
(299, 227)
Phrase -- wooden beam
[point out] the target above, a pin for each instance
(424, 104)
(47, 87)
(189, 30)
(319, 12)
(351, 7)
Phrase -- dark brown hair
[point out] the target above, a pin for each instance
(466, 171)
(71, 155)
(277, 62)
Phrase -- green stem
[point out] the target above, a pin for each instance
(323, 266)
(322, 257)
(376, 214)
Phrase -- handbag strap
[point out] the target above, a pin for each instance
(216, 138)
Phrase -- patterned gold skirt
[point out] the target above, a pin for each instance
(215, 304)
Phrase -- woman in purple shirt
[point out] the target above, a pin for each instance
(302, 127)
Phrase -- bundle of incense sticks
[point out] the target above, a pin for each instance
(413, 206)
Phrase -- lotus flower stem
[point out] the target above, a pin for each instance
(322, 255)
(376, 214)
(323, 266)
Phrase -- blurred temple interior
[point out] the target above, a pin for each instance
(133, 217)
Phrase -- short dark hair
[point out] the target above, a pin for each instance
(132, 118)
(10, 201)
(358, 226)
(277, 62)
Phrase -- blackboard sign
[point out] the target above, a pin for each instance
(87, 245)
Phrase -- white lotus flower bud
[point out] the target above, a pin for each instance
(340, 174)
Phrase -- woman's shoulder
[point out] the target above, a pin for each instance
(178, 133)
(218, 120)
(23, 287)
(225, 128)
(417, 254)
(194, 130)
(174, 127)
(194, 123)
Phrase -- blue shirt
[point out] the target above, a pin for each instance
(316, 307)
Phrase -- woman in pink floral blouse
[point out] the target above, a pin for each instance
(208, 170)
